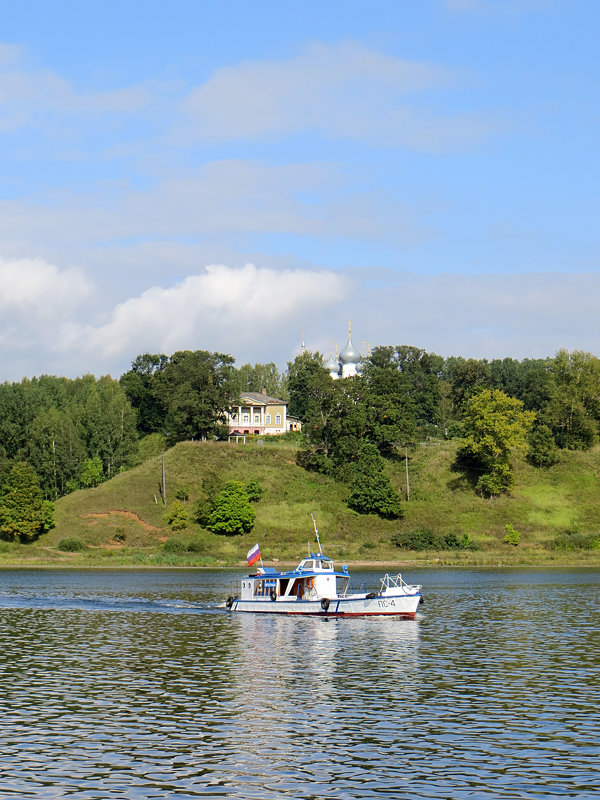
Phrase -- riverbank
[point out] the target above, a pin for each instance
(552, 516)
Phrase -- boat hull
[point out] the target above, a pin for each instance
(399, 605)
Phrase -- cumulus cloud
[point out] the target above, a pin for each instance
(32, 286)
(222, 308)
(52, 319)
(343, 90)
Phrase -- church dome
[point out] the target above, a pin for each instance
(331, 365)
(349, 354)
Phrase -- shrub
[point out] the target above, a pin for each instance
(183, 493)
(254, 491)
(512, 537)
(572, 540)
(197, 546)
(426, 539)
(174, 545)
(71, 544)
(232, 512)
(176, 516)
(420, 539)
(119, 535)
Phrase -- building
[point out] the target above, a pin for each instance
(258, 414)
(348, 362)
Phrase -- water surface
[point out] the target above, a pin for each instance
(139, 685)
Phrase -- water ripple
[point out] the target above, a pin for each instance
(136, 685)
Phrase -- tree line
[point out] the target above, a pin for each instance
(405, 394)
(76, 433)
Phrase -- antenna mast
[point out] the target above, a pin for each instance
(317, 534)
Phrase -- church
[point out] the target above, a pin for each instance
(347, 362)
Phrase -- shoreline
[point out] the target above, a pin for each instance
(426, 564)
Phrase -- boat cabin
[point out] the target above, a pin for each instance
(313, 578)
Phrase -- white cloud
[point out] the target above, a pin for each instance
(53, 320)
(221, 308)
(344, 91)
(32, 286)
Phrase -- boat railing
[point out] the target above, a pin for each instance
(393, 582)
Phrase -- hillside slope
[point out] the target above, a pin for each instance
(122, 521)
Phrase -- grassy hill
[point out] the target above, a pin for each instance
(122, 521)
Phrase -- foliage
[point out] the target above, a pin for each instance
(183, 396)
(573, 540)
(255, 378)
(71, 544)
(494, 424)
(232, 513)
(174, 545)
(301, 375)
(426, 539)
(542, 450)
(183, 493)
(253, 490)
(176, 516)
(24, 514)
(573, 409)
(512, 536)
(57, 423)
(91, 473)
(371, 491)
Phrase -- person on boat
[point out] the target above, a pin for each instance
(300, 591)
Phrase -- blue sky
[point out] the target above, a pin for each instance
(225, 176)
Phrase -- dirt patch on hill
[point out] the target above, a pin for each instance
(115, 512)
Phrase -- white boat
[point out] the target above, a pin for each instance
(316, 588)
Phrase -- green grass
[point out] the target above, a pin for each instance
(122, 521)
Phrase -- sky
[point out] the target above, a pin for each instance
(240, 176)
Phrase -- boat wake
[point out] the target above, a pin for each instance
(74, 602)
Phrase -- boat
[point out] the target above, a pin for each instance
(316, 588)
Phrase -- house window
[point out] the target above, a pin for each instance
(267, 419)
(277, 419)
(233, 417)
(246, 418)
(256, 419)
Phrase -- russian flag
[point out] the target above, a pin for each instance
(253, 555)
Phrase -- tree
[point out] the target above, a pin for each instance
(543, 451)
(573, 409)
(195, 388)
(467, 377)
(232, 514)
(24, 514)
(494, 424)
(300, 379)
(139, 384)
(371, 491)
(91, 473)
(261, 376)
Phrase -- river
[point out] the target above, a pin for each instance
(131, 684)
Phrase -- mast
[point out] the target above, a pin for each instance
(317, 534)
